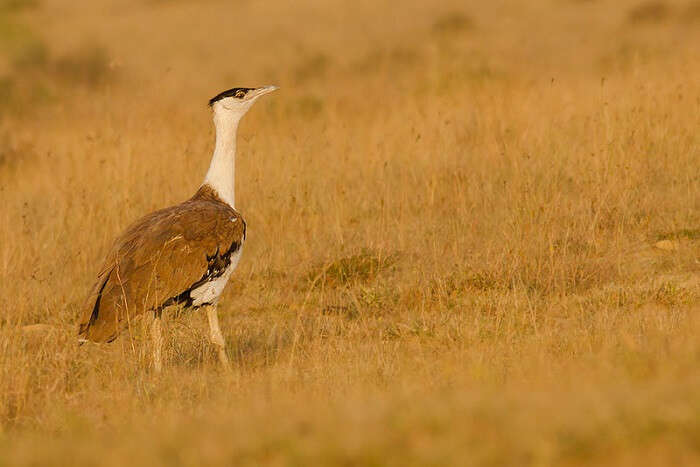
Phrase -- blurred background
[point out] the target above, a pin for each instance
(181, 50)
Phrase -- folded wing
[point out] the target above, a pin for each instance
(157, 261)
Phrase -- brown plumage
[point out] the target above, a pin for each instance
(159, 260)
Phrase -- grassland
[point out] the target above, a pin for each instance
(454, 217)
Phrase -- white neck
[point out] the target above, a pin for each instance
(221, 175)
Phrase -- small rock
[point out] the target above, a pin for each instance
(667, 245)
(37, 328)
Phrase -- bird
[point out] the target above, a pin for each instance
(182, 255)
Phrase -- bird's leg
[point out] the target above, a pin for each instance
(216, 337)
(157, 336)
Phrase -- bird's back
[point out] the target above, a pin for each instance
(159, 260)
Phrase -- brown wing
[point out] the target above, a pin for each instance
(157, 260)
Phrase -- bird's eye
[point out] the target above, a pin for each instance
(239, 94)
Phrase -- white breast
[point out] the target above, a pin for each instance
(209, 292)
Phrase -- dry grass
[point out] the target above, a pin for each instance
(452, 211)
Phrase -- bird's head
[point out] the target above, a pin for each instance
(235, 102)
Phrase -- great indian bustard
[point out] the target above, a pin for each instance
(181, 255)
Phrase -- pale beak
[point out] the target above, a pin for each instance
(257, 92)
